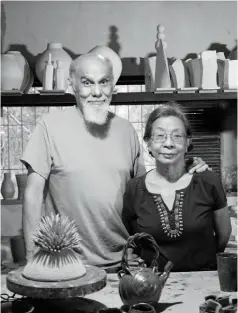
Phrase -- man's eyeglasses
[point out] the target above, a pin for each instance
(162, 137)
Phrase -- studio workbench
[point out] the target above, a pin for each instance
(183, 293)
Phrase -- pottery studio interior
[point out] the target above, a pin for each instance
(119, 156)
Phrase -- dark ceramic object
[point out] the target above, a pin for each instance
(227, 271)
(142, 284)
(109, 310)
(21, 184)
(18, 251)
(142, 308)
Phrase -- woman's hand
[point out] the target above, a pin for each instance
(198, 165)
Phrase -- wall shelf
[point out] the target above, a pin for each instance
(11, 201)
(130, 98)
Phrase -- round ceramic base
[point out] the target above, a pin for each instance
(92, 281)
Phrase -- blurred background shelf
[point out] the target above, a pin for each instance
(122, 99)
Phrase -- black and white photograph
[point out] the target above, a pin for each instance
(119, 156)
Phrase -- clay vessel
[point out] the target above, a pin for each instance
(12, 76)
(25, 68)
(7, 188)
(143, 284)
(57, 54)
(21, 184)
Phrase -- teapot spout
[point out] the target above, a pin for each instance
(164, 276)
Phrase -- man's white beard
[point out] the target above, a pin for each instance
(96, 114)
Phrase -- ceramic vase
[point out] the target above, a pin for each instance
(7, 188)
(12, 76)
(57, 54)
(17, 245)
(25, 68)
(21, 184)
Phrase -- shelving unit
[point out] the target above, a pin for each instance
(130, 98)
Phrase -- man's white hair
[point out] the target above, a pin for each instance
(77, 63)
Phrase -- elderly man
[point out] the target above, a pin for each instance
(81, 160)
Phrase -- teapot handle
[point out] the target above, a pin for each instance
(132, 242)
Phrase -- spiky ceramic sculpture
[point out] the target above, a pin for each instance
(57, 258)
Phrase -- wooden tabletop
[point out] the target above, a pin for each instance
(183, 292)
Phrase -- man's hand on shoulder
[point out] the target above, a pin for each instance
(196, 164)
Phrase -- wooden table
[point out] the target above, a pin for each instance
(183, 292)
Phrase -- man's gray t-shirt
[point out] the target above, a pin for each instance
(86, 178)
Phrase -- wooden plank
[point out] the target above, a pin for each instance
(131, 98)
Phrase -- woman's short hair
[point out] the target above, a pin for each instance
(165, 110)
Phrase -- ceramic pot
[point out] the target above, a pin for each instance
(57, 54)
(142, 284)
(24, 66)
(142, 308)
(7, 188)
(12, 76)
(18, 250)
(227, 271)
(21, 184)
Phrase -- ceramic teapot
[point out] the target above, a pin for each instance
(141, 284)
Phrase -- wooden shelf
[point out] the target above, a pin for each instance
(11, 201)
(132, 98)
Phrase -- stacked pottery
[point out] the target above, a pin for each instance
(16, 73)
(57, 54)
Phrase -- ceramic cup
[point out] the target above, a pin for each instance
(17, 245)
(109, 310)
(227, 271)
(142, 308)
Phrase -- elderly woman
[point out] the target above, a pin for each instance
(186, 213)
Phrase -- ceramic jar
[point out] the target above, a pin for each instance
(21, 184)
(57, 54)
(142, 308)
(12, 76)
(7, 188)
(24, 66)
(18, 250)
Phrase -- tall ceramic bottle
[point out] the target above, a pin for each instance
(7, 188)
(48, 75)
(59, 77)
(21, 184)
(57, 54)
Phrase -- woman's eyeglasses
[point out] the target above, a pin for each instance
(162, 137)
